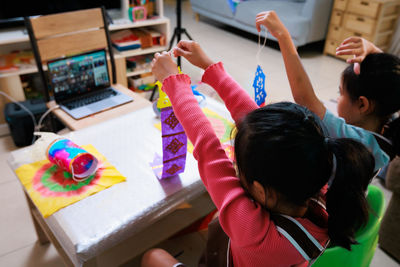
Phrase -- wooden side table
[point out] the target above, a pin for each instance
(374, 20)
(137, 103)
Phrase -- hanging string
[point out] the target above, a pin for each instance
(259, 45)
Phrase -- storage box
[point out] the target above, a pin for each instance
(20, 122)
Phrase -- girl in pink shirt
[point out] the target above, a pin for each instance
(283, 162)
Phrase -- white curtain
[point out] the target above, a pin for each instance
(395, 46)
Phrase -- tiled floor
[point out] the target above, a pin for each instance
(18, 241)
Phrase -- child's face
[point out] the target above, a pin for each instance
(346, 108)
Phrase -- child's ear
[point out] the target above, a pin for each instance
(365, 105)
(258, 192)
(272, 198)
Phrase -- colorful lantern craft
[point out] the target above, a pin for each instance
(259, 87)
(174, 140)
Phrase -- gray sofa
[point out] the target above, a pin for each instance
(306, 20)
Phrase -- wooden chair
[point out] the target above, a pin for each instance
(58, 35)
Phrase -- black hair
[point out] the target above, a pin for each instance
(283, 146)
(379, 82)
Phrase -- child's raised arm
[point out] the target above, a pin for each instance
(302, 90)
(216, 170)
(236, 99)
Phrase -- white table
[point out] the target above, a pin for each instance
(131, 216)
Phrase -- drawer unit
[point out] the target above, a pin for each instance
(359, 23)
(340, 5)
(335, 32)
(336, 17)
(347, 33)
(363, 7)
(330, 48)
(374, 20)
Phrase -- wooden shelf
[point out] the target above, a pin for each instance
(21, 71)
(122, 24)
(138, 72)
(18, 35)
(140, 51)
(14, 35)
(117, 54)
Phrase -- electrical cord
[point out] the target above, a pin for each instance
(39, 125)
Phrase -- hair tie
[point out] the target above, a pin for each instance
(333, 173)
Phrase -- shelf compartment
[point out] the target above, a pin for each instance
(137, 72)
(140, 51)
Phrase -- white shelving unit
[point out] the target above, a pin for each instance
(18, 39)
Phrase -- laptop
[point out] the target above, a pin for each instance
(81, 84)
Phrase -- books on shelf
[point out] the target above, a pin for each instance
(16, 61)
(136, 38)
(125, 40)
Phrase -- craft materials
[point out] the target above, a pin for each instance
(174, 139)
(201, 99)
(222, 127)
(233, 4)
(65, 154)
(51, 188)
(72, 158)
(174, 143)
(259, 80)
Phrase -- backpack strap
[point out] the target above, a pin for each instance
(298, 236)
(385, 144)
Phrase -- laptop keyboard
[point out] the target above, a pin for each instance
(89, 99)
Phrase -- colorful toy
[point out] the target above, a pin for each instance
(72, 158)
(137, 13)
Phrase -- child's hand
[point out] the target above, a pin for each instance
(163, 66)
(193, 53)
(357, 46)
(271, 21)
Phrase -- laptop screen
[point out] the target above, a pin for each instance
(77, 75)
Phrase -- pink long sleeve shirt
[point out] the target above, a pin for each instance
(255, 240)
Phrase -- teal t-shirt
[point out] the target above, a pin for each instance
(338, 128)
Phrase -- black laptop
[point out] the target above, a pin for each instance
(81, 84)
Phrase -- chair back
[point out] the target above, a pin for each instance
(367, 237)
(58, 35)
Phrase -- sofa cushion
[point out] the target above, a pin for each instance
(217, 7)
(246, 12)
(289, 12)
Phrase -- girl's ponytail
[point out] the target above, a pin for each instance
(345, 200)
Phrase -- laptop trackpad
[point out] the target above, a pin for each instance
(101, 105)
